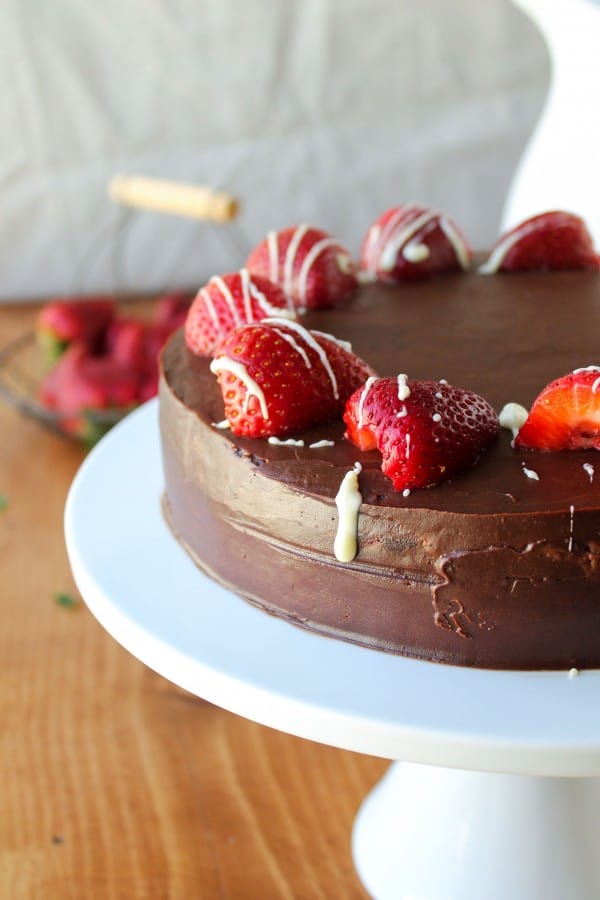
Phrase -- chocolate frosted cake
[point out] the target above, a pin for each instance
(497, 566)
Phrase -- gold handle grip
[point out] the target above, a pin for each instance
(194, 201)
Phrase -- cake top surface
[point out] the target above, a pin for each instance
(504, 337)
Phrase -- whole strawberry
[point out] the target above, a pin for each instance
(81, 383)
(311, 266)
(227, 302)
(566, 415)
(61, 322)
(410, 242)
(426, 431)
(277, 377)
(551, 240)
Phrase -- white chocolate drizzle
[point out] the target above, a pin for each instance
(288, 442)
(403, 388)
(290, 257)
(513, 416)
(530, 473)
(436, 417)
(589, 469)
(314, 345)
(228, 297)
(459, 245)
(223, 425)
(415, 252)
(318, 444)
(406, 492)
(273, 247)
(505, 245)
(571, 526)
(391, 248)
(308, 263)
(224, 364)
(361, 401)
(348, 501)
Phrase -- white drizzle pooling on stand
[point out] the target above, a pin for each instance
(224, 364)
(530, 473)
(314, 345)
(223, 425)
(589, 470)
(318, 444)
(348, 501)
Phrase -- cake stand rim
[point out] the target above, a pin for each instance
(143, 589)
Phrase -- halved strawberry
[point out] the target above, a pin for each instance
(551, 240)
(311, 266)
(227, 302)
(410, 242)
(61, 322)
(277, 377)
(426, 431)
(566, 415)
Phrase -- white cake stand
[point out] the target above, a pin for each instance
(496, 797)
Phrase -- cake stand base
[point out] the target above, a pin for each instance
(431, 833)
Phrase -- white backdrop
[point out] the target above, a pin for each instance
(325, 111)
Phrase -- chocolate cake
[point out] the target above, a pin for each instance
(498, 567)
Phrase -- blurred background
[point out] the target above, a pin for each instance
(325, 111)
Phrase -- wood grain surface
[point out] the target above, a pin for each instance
(116, 784)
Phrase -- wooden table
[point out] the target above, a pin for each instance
(116, 784)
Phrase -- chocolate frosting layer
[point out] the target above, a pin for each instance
(491, 568)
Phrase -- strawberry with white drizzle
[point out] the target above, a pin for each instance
(551, 240)
(311, 266)
(411, 242)
(228, 301)
(426, 431)
(278, 378)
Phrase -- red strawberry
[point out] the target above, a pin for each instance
(312, 267)
(566, 415)
(426, 431)
(171, 310)
(227, 302)
(551, 240)
(277, 377)
(61, 322)
(412, 242)
(126, 342)
(81, 383)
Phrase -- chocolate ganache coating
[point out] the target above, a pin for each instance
(492, 568)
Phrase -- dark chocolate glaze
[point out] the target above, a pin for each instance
(491, 568)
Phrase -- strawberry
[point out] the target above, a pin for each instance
(312, 267)
(411, 242)
(126, 342)
(80, 384)
(227, 302)
(61, 322)
(551, 240)
(171, 310)
(566, 415)
(277, 377)
(426, 431)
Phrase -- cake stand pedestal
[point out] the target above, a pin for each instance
(497, 794)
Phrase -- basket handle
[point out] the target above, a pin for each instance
(194, 201)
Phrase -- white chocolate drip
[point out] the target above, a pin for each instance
(571, 526)
(318, 444)
(348, 500)
(208, 301)
(436, 417)
(378, 236)
(391, 248)
(403, 388)
(513, 416)
(314, 345)
(589, 469)
(250, 289)
(345, 345)
(586, 369)
(415, 252)
(530, 473)
(308, 263)
(273, 246)
(505, 245)
(289, 442)
(224, 364)
(361, 402)
(407, 439)
(406, 492)
(295, 346)
(228, 297)
(459, 245)
(345, 264)
(290, 257)
(223, 425)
